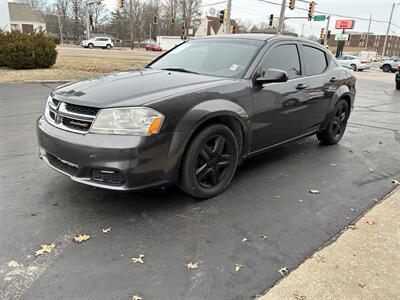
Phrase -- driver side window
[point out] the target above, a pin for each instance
(283, 57)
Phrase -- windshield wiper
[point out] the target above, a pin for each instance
(180, 70)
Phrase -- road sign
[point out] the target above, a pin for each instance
(179, 21)
(344, 24)
(320, 18)
(342, 37)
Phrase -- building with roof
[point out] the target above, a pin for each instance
(24, 18)
(212, 26)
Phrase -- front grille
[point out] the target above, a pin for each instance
(76, 124)
(79, 109)
(71, 117)
(109, 177)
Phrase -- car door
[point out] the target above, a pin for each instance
(278, 107)
(321, 81)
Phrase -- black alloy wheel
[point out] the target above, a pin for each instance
(337, 124)
(210, 162)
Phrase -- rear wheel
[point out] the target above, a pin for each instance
(108, 46)
(209, 162)
(337, 124)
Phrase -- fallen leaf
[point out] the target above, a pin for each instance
(361, 285)
(299, 297)
(351, 150)
(136, 297)
(45, 248)
(376, 200)
(138, 260)
(370, 221)
(191, 265)
(81, 238)
(245, 240)
(332, 164)
(237, 268)
(351, 209)
(314, 191)
(106, 230)
(284, 271)
(12, 264)
(395, 181)
(371, 170)
(352, 227)
(262, 236)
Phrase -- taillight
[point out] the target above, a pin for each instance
(363, 61)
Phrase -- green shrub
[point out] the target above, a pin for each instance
(2, 63)
(27, 51)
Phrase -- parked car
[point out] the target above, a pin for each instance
(151, 47)
(390, 65)
(354, 62)
(398, 77)
(193, 115)
(98, 42)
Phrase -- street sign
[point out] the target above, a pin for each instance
(342, 37)
(319, 18)
(344, 24)
(179, 21)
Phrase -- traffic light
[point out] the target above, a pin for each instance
(311, 10)
(155, 19)
(291, 4)
(328, 34)
(232, 29)
(90, 20)
(121, 3)
(271, 20)
(322, 34)
(221, 16)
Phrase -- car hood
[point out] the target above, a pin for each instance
(133, 88)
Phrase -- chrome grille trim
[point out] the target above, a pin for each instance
(60, 115)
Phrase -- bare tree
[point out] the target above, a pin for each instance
(100, 14)
(190, 11)
(39, 5)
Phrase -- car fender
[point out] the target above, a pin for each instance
(191, 122)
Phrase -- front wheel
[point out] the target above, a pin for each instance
(354, 67)
(91, 46)
(337, 124)
(108, 47)
(209, 162)
(386, 68)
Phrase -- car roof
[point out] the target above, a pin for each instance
(253, 36)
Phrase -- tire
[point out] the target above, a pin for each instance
(108, 47)
(90, 46)
(398, 85)
(209, 162)
(386, 68)
(354, 67)
(393, 70)
(334, 132)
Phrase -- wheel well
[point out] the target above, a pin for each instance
(229, 121)
(348, 100)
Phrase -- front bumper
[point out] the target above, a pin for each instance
(364, 67)
(114, 162)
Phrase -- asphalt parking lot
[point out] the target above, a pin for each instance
(269, 196)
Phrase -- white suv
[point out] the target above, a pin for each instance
(101, 42)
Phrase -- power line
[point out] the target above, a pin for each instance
(211, 4)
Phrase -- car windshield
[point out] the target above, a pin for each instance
(223, 57)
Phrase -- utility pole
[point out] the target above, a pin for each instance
(228, 16)
(281, 25)
(326, 30)
(369, 29)
(131, 21)
(388, 30)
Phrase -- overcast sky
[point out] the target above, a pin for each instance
(255, 11)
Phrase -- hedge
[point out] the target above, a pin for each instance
(27, 51)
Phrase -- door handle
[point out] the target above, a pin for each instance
(333, 79)
(301, 86)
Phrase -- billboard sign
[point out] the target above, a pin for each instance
(344, 24)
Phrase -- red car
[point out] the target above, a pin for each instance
(153, 48)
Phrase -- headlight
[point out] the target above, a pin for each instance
(132, 120)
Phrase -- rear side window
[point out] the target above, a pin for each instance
(284, 57)
(315, 60)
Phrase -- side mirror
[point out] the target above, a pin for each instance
(272, 75)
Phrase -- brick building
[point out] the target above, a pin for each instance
(357, 42)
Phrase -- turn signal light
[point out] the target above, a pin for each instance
(155, 126)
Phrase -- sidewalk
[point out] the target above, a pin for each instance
(364, 262)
